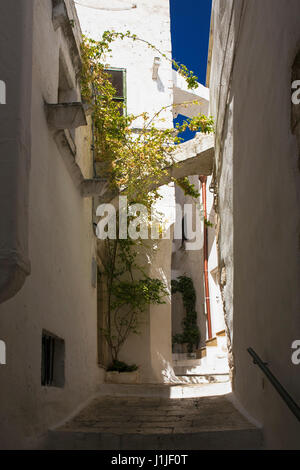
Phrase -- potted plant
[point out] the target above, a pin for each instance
(129, 292)
(121, 373)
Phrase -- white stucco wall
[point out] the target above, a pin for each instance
(15, 144)
(150, 21)
(254, 46)
(189, 263)
(58, 295)
(216, 305)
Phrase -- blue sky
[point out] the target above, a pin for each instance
(190, 23)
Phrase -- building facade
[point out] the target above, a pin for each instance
(47, 224)
(52, 356)
(253, 63)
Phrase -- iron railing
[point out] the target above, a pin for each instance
(295, 409)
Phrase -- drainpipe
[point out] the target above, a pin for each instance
(16, 30)
(203, 180)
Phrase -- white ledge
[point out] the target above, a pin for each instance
(64, 16)
(67, 149)
(183, 94)
(65, 115)
(194, 157)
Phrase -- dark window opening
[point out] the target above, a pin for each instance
(53, 361)
(117, 78)
(183, 231)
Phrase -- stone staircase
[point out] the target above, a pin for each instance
(207, 365)
(195, 412)
(156, 423)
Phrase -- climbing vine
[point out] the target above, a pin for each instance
(129, 292)
(188, 188)
(133, 164)
(191, 334)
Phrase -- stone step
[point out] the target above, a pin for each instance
(220, 367)
(135, 423)
(211, 342)
(242, 439)
(183, 356)
(217, 344)
(170, 391)
(214, 351)
(221, 333)
(222, 343)
(204, 378)
(214, 354)
(187, 362)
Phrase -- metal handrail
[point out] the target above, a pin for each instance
(295, 409)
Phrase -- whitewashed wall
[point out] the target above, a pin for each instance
(254, 46)
(58, 296)
(150, 21)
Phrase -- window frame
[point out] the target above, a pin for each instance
(52, 360)
(118, 98)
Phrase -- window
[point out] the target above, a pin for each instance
(183, 231)
(117, 78)
(53, 360)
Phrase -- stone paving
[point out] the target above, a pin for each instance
(142, 415)
(156, 422)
